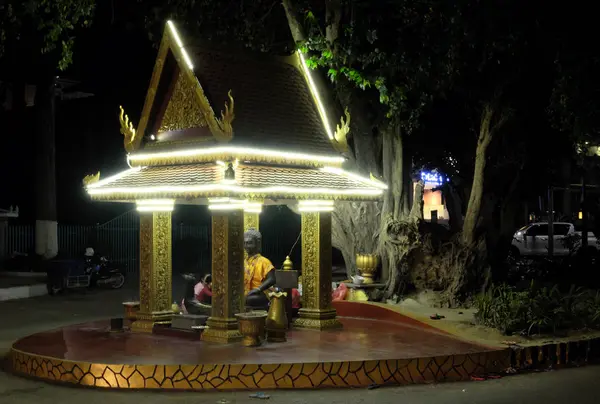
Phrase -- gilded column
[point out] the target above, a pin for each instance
(317, 311)
(227, 276)
(251, 220)
(155, 271)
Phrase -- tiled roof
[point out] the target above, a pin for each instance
(196, 179)
(273, 104)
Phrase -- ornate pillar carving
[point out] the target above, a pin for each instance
(227, 276)
(251, 220)
(317, 311)
(155, 271)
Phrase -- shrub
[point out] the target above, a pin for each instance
(539, 309)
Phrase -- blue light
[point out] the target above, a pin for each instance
(432, 178)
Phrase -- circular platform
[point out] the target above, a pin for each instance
(392, 350)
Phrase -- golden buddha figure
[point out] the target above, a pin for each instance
(259, 272)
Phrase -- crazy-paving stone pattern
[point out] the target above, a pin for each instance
(267, 376)
(364, 352)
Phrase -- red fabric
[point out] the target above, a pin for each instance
(340, 293)
(295, 299)
(205, 295)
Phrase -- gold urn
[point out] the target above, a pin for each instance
(367, 266)
(277, 322)
(252, 327)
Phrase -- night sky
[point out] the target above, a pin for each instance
(114, 61)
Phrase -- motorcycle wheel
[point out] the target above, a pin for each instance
(119, 281)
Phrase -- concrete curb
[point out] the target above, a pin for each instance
(23, 292)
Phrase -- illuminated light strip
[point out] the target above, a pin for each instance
(159, 208)
(237, 151)
(227, 206)
(315, 93)
(235, 189)
(316, 208)
(161, 202)
(179, 43)
(115, 177)
(315, 203)
(252, 210)
(366, 181)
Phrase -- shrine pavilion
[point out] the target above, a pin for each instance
(271, 143)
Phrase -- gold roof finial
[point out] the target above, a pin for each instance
(127, 130)
(287, 264)
(90, 179)
(225, 128)
(341, 131)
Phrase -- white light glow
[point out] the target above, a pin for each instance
(221, 163)
(160, 202)
(235, 189)
(228, 182)
(175, 33)
(252, 210)
(155, 205)
(315, 93)
(179, 43)
(227, 206)
(315, 203)
(366, 181)
(160, 208)
(219, 200)
(316, 208)
(238, 152)
(115, 177)
(187, 59)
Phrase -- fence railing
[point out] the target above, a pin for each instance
(119, 240)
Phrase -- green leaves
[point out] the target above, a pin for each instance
(48, 25)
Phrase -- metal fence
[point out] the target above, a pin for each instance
(119, 240)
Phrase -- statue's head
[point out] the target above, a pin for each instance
(252, 241)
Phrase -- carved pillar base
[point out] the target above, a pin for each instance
(317, 312)
(145, 322)
(317, 319)
(227, 276)
(155, 271)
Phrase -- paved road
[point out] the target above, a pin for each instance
(19, 318)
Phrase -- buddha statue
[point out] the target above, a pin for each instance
(259, 272)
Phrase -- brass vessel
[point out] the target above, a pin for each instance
(367, 266)
(277, 322)
(287, 264)
(131, 309)
(252, 327)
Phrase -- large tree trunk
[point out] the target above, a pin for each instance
(387, 228)
(467, 259)
(46, 236)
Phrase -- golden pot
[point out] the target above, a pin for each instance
(252, 327)
(277, 322)
(131, 309)
(367, 266)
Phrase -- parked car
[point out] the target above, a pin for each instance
(532, 240)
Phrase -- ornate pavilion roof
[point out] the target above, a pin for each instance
(273, 127)
(252, 181)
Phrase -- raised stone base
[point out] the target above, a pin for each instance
(145, 321)
(187, 321)
(222, 330)
(317, 319)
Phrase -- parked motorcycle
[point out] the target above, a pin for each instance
(104, 273)
(92, 272)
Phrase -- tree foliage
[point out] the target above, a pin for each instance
(41, 27)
